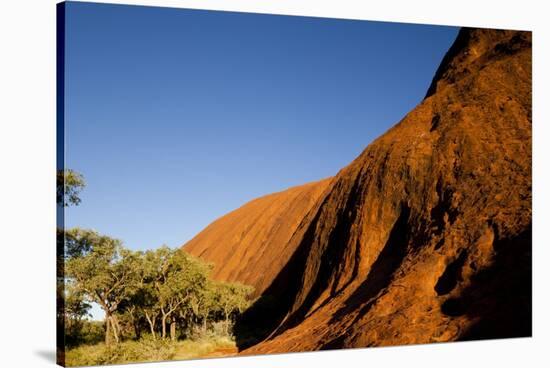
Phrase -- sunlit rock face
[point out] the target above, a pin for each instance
(425, 237)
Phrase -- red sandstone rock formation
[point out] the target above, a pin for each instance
(425, 237)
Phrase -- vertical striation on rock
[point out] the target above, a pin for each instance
(425, 237)
(250, 244)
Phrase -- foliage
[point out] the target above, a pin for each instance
(172, 278)
(166, 292)
(87, 333)
(102, 270)
(69, 185)
(76, 309)
(145, 350)
(138, 291)
(232, 299)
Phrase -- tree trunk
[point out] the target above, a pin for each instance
(173, 330)
(117, 328)
(227, 323)
(107, 328)
(114, 329)
(135, 323)
(164, 325)
(204, 325)
(151, 325)
(137, 330)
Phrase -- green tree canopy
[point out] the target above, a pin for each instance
(69, 185)
(103, 270)
(233, 299)
(170, 277)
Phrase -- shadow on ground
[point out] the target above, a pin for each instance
(48, 355)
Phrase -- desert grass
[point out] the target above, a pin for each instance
(150, 350)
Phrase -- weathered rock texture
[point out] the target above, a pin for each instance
(425, 237)
(252, 244)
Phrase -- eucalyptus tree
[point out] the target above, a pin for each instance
(233, 298)
(181, 277)
(103, 270)
(205, 303)
(146, 296)
(75, 310)
(69, 185)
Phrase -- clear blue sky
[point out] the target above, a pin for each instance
(176, 117)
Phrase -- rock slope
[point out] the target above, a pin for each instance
(251, 244)
(425, 237)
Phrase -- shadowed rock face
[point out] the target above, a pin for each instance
(425, 237)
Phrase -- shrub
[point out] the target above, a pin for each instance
(145, 350)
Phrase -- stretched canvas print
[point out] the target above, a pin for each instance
(236, 184)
